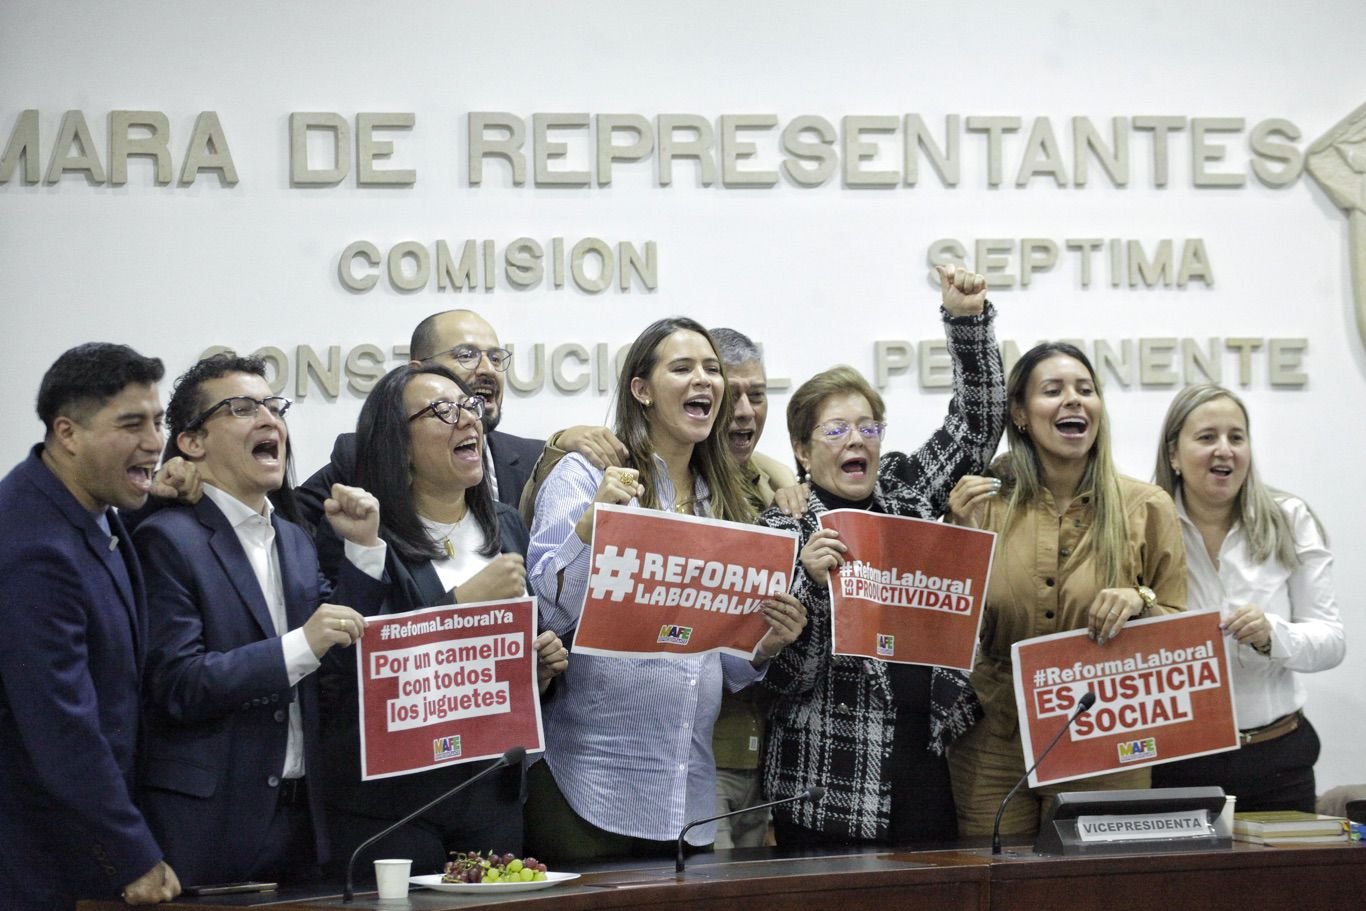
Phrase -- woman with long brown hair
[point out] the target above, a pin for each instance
(1078, 546)
(628, 758)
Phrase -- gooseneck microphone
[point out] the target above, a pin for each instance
(1083, 706)
(813, 794)
(513, 756)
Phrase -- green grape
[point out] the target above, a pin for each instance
(492, 869)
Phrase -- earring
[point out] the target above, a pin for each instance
(645, 403)
(1178, 472)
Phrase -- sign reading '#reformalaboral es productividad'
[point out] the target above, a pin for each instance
(910, 591)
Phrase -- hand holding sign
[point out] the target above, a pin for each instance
(786, 618)
(618, 487)
(1111, 609)
(822, 553)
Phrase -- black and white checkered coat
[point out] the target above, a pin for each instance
(833, 722)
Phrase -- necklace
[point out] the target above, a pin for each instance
(686, 506)
(441, 534)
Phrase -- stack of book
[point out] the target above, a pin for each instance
(1289, 827)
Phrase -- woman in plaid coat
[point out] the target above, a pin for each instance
(874, 734)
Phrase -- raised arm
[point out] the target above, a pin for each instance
(966, 441)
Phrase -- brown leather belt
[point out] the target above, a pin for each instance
(1278, 728)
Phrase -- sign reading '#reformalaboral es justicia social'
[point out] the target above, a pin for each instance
(910, 591)
(1162, 694)
(447, 685)
(666, 585)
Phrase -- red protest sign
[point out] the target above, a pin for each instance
(910, 591)
(1162, 694)
(446, 685)
(665, 584)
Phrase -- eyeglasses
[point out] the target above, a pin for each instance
(449, 412)
(243, 406)
(835, 431)
(468, 356)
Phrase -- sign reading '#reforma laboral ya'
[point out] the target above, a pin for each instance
(892, 152)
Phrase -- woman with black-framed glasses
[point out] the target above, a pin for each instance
(420, 442)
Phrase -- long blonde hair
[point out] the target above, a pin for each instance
(1108, 535)
(1268, 532)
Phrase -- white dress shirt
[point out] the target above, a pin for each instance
(257, 537)
(1300, 604)
(488, 468)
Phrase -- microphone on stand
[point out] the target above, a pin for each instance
(1083, 706)
(813, 793)
(513, 756)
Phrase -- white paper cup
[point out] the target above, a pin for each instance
(391, 875)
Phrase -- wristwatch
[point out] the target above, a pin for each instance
(1149, 599)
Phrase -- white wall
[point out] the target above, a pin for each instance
(816, 274)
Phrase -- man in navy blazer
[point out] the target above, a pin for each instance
(71, 658)
(238, 623)
(465, 344)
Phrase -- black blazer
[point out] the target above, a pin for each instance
(217, 694)
(413, 584)
(71, 661)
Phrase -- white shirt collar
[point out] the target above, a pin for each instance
(237, 512)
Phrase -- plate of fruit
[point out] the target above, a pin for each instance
(477, 872)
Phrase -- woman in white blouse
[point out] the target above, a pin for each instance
(1260, 558)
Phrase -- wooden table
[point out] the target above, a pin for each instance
(959, 878)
